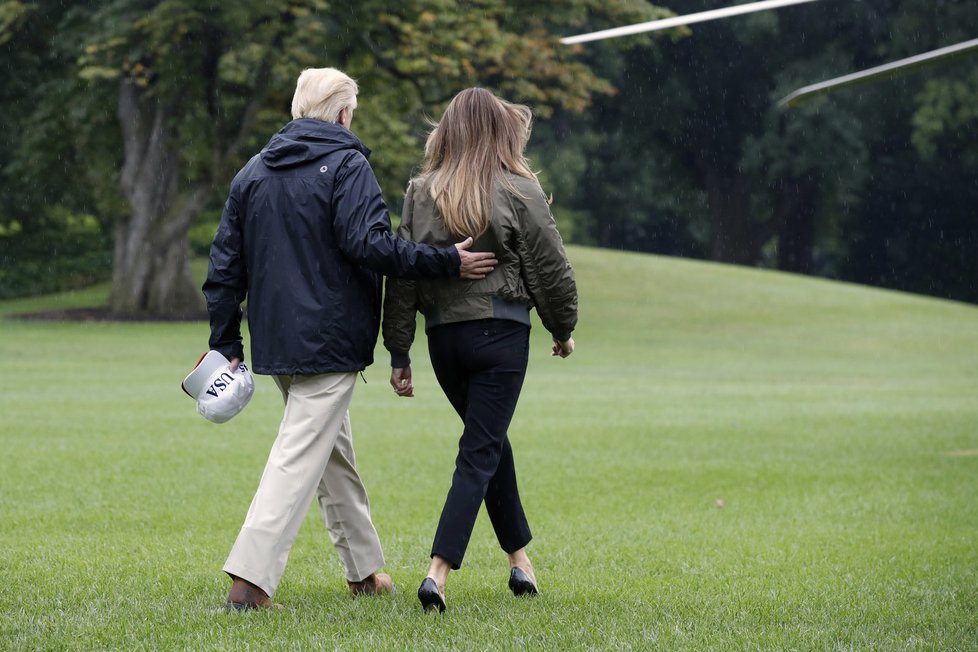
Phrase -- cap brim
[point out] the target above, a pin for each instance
(197, 379)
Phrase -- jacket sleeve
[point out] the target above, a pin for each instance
(546, 271)
(227, 283)
(401, 301)
(362, 229)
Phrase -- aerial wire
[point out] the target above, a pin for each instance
(679, 21)
(802, 95)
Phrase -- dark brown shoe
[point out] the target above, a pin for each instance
(375, 584)
(245, 596)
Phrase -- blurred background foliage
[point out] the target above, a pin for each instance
(125, 120)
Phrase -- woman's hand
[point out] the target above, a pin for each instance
(563, 349)
(401, 381)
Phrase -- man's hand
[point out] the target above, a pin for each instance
(475, 264)
(234, 364)
(563, 349)
(401, 381)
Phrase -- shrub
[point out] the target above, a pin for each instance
(202, 233)
(73, 252)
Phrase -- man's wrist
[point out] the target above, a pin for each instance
(231, 351)
(455, 258)
(400, 360)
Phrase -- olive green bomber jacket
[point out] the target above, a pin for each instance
(533, 269)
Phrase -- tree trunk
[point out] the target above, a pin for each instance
(732, 240)
(151, 264)
(795, 216)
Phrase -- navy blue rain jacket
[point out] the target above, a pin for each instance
(305, 236)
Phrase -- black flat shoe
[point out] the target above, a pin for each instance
(431, 599)
(521, 584)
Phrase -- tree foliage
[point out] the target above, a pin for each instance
(693, 156)
(138, 112)
(195, 88)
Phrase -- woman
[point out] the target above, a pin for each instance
(475, 181)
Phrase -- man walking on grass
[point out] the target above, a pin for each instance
(305, 236)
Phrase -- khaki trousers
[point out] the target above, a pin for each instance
(312, 455)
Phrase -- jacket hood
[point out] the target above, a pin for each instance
(307, 139)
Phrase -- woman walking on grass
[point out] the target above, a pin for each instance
(476, 182)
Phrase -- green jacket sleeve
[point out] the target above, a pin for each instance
(400, 301)
(546, 271)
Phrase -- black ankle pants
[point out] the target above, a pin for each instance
(480, 365)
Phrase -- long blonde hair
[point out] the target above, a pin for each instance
(480, 137)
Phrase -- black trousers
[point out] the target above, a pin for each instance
(481, 365)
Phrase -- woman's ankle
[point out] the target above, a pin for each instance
(438, 571)
(519, 559)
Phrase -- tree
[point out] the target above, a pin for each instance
(192, 83)
(917, 228)
(768, 179)
(195, 86)
(693, 157)
(139, 111)
(42, 104)
(808, 165)
(412, 57)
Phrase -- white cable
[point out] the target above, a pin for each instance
(677, 21)
(886, 70)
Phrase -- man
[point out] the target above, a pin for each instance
(305, 236)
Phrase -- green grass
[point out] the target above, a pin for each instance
(838, 425)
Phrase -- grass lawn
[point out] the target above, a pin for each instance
(732, 459)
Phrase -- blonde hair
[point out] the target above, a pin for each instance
(322, 93)
(479, 138)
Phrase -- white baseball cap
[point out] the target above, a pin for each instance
(220, 393)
